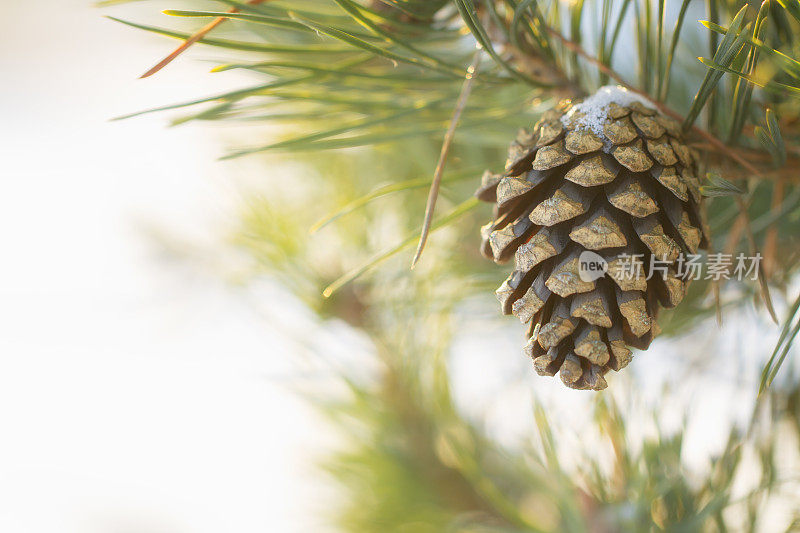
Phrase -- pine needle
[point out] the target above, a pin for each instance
(788, 334)
(433, 195)
(762, 281)
(205, 30)
(458, 211)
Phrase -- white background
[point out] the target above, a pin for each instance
(135, 395)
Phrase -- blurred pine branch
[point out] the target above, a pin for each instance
(364, 93)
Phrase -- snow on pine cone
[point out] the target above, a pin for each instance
(612, 176)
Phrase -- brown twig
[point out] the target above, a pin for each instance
(202, 32)
(735, 234)
(433, 195)
(771, 240)
(611, 73)
(731, 245)
(762, 279)
(787, 173)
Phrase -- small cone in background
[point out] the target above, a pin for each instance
(613, 176)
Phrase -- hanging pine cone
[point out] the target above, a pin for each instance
(608, 175)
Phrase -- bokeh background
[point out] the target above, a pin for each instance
(150, 382)
(138, 392)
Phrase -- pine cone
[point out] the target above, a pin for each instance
(609, 175)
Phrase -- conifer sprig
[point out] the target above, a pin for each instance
(346, 74)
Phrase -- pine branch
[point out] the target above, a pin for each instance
(414, 459)
(344, 73)
(608, 71)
